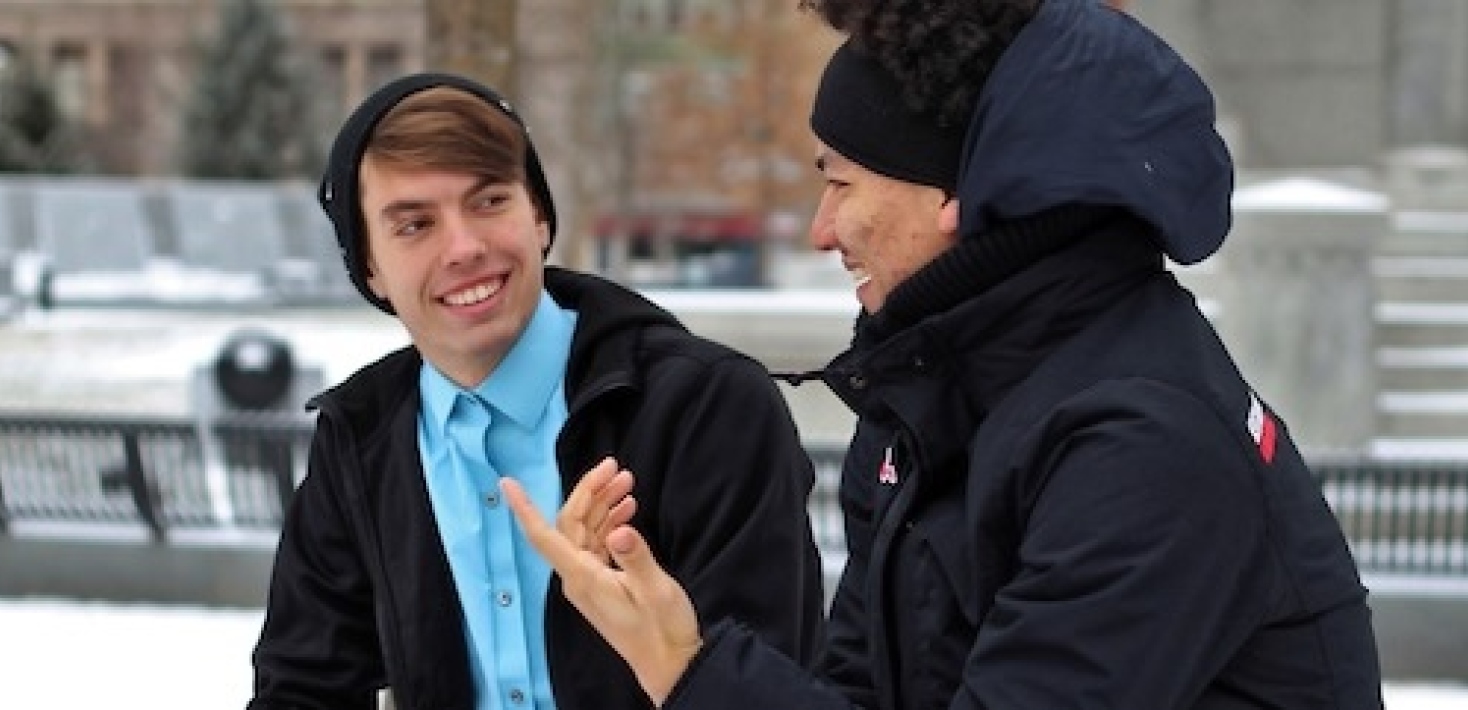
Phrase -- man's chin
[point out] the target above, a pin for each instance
(870, 301)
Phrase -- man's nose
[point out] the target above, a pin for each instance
(822, 236)
(463, 241)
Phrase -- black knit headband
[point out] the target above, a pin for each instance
(859, 113)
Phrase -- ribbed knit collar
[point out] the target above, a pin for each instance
(975, 264)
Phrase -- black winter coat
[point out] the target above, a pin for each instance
(361, 595)
(1062, 494)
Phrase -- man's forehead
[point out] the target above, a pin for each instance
(396, 184)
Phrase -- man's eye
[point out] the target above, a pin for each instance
(492, 200)
(411, 227)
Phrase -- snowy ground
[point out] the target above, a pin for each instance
(64, 655)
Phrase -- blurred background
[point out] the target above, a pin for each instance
(170, 294)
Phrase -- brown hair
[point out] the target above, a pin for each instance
(444, 128)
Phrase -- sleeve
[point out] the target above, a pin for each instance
(1143, 563)
(733, 523)
(318, 645)
(735, 670)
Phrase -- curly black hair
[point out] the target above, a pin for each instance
(940, 51)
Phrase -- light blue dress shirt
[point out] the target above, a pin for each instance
(507, 426)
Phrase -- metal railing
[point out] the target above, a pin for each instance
(239, 471)
(1407, 517)
(162, 473)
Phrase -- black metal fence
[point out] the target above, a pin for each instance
(168, 474)
(163, 473)
(1401, 516)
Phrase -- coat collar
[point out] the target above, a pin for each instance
(603, 353)
(941, 376)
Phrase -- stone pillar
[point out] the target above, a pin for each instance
(354, 73)
(98, 83)
(1297, 302)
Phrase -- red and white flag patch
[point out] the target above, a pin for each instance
(1262, 428)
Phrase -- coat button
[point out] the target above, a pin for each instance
(858, 382)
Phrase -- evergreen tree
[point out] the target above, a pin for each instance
(251, 112)
(35, 135)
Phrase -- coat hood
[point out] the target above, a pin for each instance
(1089, 106)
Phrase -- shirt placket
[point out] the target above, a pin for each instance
(504, 647)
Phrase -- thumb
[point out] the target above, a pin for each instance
(631, 553)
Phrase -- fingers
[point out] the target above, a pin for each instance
(595, 506)
(591, 484)
(645, 578)
(559, 551)
(599, 504)
(619, 515)
(627, 544)
(636, 606)
(663, 636)
(601, 516)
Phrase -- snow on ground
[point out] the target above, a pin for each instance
(72, 656)
(68, 655)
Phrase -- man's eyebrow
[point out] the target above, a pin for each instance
(393, 209)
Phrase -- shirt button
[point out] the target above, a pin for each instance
(492, 499)
(504, 598)
(517, 696)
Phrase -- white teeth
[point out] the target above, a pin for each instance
(473, 295)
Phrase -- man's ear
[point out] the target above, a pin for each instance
(370, 271)
(948, 216)
(542, 228)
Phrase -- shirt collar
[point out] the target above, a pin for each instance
(522, 385)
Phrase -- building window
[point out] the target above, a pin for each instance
(384, 63)
(334, 80)
(69, 72)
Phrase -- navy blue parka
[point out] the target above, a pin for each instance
(1062, 493)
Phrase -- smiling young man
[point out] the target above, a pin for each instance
(398, 566)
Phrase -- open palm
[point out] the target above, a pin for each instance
(609, 574)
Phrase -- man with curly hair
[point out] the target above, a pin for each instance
(1061, 492)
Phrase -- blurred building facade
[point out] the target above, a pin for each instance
(1326, 83)
(695, 121)
(712, 177)
(122, 68)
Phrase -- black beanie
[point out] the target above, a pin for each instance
(859, 112)
(338, 193)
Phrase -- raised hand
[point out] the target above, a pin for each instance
(609, 574)
(600, 503)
